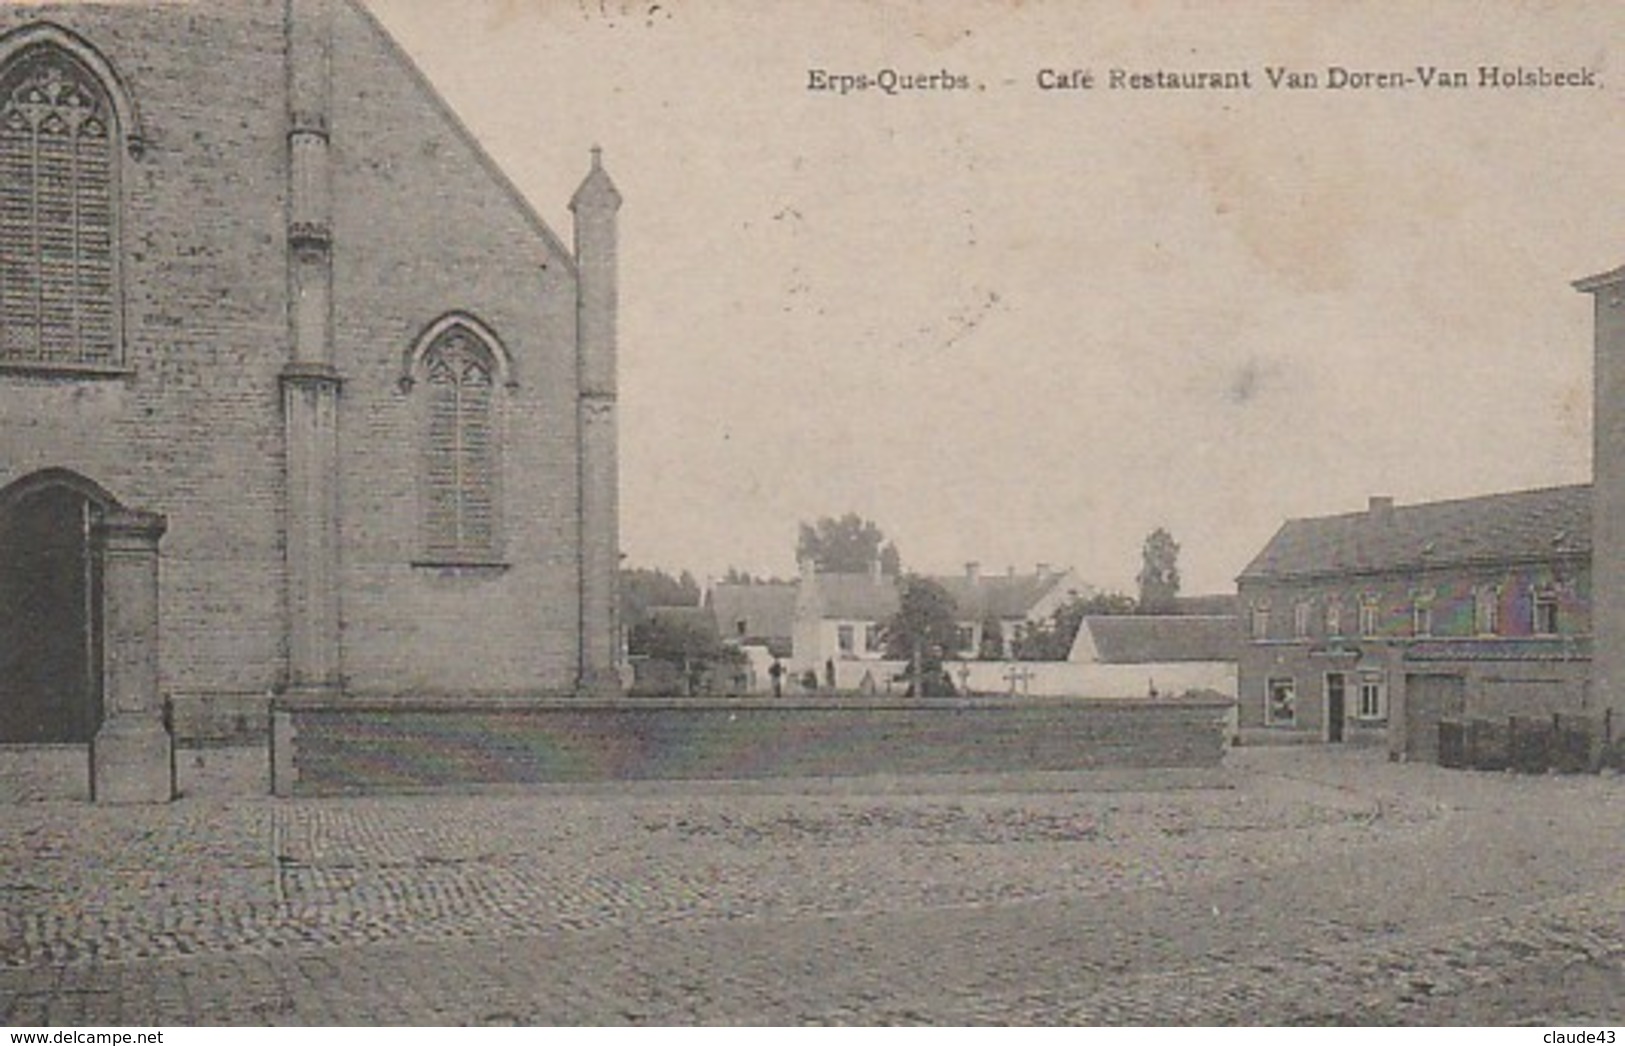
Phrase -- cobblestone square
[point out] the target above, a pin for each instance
(1313, 886)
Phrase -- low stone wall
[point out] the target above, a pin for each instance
(350, 745)
(51, 773)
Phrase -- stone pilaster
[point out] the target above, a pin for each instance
(310, 397)
(595, 206)
(132, 755)
(310, 384)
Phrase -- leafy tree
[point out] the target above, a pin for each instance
(992, 648)
(1052, 638)
(687, 641)
(848, 545)
(923, 631)
(642, 588)
(1159, 576)
(735, 576)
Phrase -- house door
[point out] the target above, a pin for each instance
(1428, 699)
(1336, 703)
(50, 604)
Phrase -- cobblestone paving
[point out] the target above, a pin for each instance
(1322, 887)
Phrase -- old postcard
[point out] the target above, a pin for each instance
(867, 512)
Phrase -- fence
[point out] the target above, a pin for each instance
(1530, 744)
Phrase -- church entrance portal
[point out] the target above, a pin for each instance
(50, 615)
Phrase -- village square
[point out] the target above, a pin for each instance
(339, 684)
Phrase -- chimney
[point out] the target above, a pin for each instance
(1380, 509)
(1043, 571)
(806, 566)
(875, 574)
(973, 572)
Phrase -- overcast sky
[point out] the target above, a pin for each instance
(1015, 326)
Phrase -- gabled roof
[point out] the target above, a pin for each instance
(1521, 526)
(768, 610)
(1157, 639)
(1003, 596)
(857, 597)
(998, 595)
(1218, 604)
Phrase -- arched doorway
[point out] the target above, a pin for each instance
(50, 610)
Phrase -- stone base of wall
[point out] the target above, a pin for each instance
(55, 773)
(349, 745)
(1353, 737)
(219, 718)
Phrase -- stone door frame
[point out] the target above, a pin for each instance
(132, 753)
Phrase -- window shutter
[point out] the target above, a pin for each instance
(440, 466)
(94, 258)
(477, 468)
(460, 454)
(57, 206)
(17, 293)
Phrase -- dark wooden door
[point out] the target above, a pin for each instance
(49, 666)
(1428, 699)
(1336, 705)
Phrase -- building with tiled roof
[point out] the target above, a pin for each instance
(840, 617)
(759, 613)
(1150, 639)
(759, 618)
(1374, 625)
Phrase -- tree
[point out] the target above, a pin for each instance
(687, 641)
(1159, 576)
(642, 588)
(849, 545)
(1052, 638)
(992, 647)
(924, 629)
(736, 576)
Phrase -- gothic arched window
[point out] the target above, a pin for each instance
(461, 447)
(59, 161)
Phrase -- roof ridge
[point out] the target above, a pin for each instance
(1442, 502)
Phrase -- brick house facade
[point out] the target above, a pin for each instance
(262, 288)
(1371, 626)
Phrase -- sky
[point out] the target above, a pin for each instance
(1015, 326)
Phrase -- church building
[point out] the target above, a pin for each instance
(298, 395)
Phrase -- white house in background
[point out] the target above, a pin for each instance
(839, 622)
(1158, 655)
(1007, 602)
(840, 617)
(1122, 656)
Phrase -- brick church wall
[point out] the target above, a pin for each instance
(193, 430)
(423, 226)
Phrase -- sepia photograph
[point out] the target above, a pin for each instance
(862, 513)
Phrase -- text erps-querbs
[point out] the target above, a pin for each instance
(887, 80)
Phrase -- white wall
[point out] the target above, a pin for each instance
(1071, 679)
